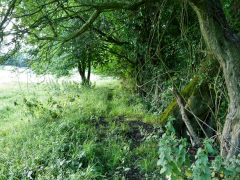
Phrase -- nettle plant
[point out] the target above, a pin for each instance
(173, 158)
(201, 167)
(176, 162)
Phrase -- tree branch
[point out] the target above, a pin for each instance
(99, 7)
(117, 5)
(8, 13)
(120, 56)
(75, 34)
(108, 38)
(191, 131)
(35, 12)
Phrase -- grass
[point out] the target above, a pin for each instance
(64, 131)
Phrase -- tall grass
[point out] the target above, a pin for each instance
(65, 131)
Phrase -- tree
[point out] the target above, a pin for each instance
(225, 45)
(7, 9)
(48, 20)
(7, 49)
(59, 59)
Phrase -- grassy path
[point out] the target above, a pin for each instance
(67, 132)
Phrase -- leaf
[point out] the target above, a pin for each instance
(163, 170)
(206, 177)
(209, 148)
(188, 173)
(198, 153)
(160, 162)
(175, 177)
(127, 169)
(204, 160)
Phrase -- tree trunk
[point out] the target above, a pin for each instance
(81, 69)
(194, 94)
(225, 45)
(192, 133)
(89, 71)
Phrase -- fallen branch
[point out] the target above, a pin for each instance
(194, 138)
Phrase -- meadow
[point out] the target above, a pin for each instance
(66, 131)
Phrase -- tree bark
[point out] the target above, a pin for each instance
(194, 93)
(81, 69)
(225, 45)
(89, 71)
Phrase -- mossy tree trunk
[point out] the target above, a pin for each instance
(194, 137)
(225, 45)
(196, 93)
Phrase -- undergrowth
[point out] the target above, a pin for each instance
(179, 160)
(70, 132)
(66, 131)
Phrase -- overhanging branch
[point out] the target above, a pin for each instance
(75, 34)
(117, 5)
(103, 34)
(99, 7)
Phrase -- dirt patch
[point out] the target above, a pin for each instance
(110, 95)
(119, 119)
(134, 132)
(101, 122)
(134, 174)
(145, 126)
(139, 131)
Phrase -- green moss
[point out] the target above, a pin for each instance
(173, 106)
(168, 112)
(208, 67)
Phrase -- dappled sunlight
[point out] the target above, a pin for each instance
(11, 75)
(113, 89)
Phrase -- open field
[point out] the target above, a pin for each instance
(10, 74)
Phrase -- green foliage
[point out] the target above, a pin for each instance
(177, 161)
(36, 109)
(173, 158)
(231, 9)
(149, 47)
(226, 170)
(201, 167)
(61, 60)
